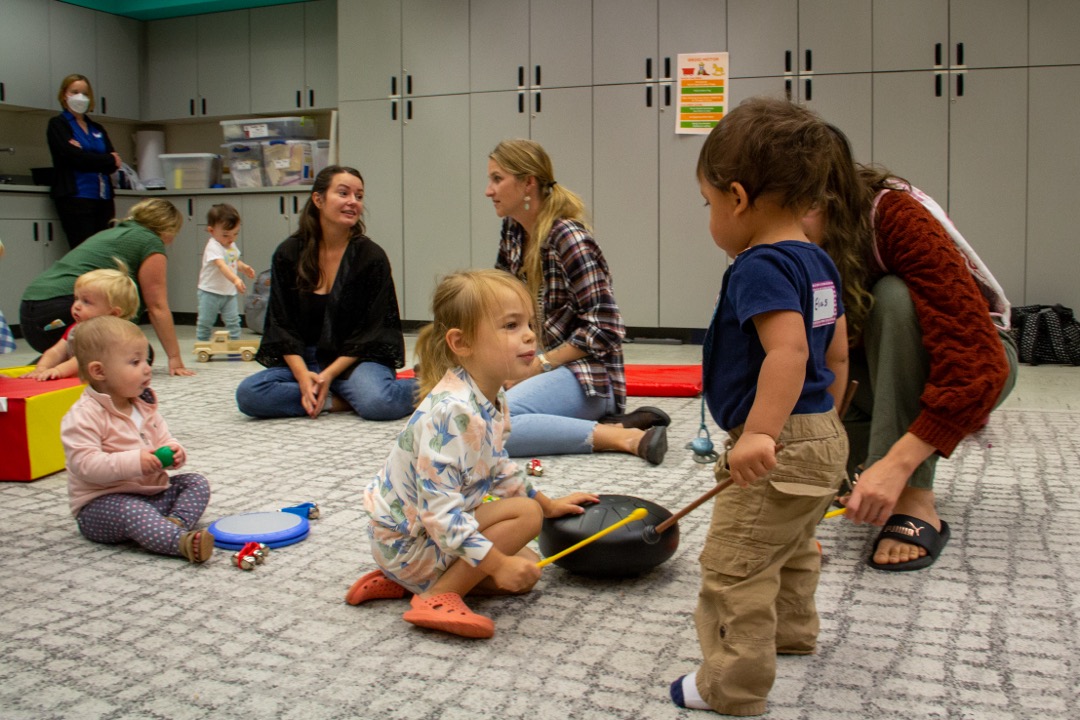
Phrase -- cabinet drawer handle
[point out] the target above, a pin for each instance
(281, 204)
(809, 90)
(191, 106)
(393, 85)
(787, 89)
(521, 102)
(937, 53)
(48, 233)
(297, 98)
(959, 53)
(408, 109)
(538, 102)
(937, 85)
(311, 97)
(204, 106)
(960, 86)
(537, 74)
(408, 84)
(393, 110)
(1, 91)
(521, 75)
(648, 96)
(667, 67)
(104, 105)
(787, 61)
(35, 232)
(667, 96)
(809, 60)
(648, 68)
(294, 206)
(191, 208)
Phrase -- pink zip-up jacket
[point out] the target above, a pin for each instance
(102, 448)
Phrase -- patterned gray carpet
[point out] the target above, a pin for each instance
(93, 631)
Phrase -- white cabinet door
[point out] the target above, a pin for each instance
(435, 152)
(369, 49)
(265, 223)
(835, 36)
(119, 64)
(626, 197)
(910, 34)
(184, 257)
(846, 101)
(370, 137)
(434, 47)
(689, 26)
(1053, 24)
(31, 246)
(988, 33)
(72, 44)
(498, 44)
(624, 41)
(988, 170)
(911, 129)
(172, 86)
(562, 121)
(277, 58)
(320, 54)
(24, 75)
(224, 64)
(763, 37)
(1053, 214)
(560, 43)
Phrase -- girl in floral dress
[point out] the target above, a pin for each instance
(431, 532)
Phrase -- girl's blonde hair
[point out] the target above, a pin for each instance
(97, 336)
(524, 159)
(116, 284)
(157, 215)
(461, 301)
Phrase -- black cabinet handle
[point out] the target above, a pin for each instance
(408, 84)
(393, 85)
(960, 86)
(809, 60)
(937, 53)
(648, 96)
(49, 234)
(35, 232)
(104, 105)
(787, 89)
(204, 106)
(191, 207)
(281, 204)
(538, 102)
(667, 95)
(311, 97)
(521, 75)
(787, 61)
(191, 106)
(959, 53)
(297, 98)
(295, 207)
(667, 67)
(521, 102)
(809, 94)
(537, 74)
(2, 91)
(937, 86)
(648, 68)
(393, 110)
(408, 109)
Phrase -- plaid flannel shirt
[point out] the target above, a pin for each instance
(578, 302)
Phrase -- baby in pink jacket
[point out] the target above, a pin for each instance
(117, 486)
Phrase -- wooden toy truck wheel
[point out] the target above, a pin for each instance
(203, 356)
(247, 356)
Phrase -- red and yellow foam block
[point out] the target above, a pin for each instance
(30, 414)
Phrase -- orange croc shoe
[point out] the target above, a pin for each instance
(374, 586)
(448, 612)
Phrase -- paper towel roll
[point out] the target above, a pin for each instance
(148, 145)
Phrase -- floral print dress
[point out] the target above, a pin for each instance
(445, 462)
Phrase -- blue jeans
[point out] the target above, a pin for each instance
(551, 415)
(210, 306)
(372, 390)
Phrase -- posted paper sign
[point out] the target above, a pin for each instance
(701, 84)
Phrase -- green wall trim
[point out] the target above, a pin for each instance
(160, 9)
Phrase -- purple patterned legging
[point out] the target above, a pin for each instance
(122, 516)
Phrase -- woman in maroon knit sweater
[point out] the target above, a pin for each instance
(929, 347)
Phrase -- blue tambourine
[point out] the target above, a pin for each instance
(273, 529)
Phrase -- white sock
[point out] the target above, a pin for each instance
(685, 689)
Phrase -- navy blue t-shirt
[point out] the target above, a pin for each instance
(789, 275)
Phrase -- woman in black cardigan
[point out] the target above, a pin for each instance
(83, 159)
(332, 339)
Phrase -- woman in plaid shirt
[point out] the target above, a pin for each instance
(574, 402)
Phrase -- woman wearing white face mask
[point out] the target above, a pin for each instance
(83, 159)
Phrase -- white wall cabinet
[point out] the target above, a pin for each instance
(104, 48)
(24, 75)
(33, 240)
(294, 57)
(402, 48)
(198, 66)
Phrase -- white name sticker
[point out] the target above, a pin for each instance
(824, 304)
(256, 131)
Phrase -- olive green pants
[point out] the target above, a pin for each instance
(760, 565)
(892, 368)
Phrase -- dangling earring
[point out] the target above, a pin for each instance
(527, 199)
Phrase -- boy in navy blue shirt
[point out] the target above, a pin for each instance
(775, 365)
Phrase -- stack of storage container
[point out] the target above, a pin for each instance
(273, 151)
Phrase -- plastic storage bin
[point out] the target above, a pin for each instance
(320, 155)
(245, 162)
(287, 162)
(282, 128)
(184, 171)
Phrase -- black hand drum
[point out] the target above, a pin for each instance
(621, 553)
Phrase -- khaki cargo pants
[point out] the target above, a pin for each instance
(760, 565)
